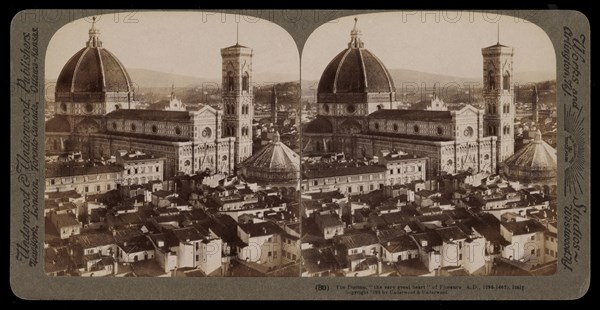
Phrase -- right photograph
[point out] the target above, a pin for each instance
(428, 145)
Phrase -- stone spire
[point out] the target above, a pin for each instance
(94, 33)
(355, 34)
(536, 105)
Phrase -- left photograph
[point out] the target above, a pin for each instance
(171, 147)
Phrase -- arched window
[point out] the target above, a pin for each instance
(230, 81)
(246, 81)
(491, 81)
(494, 109)
(55, 144)
(506, 81)
(318, 146)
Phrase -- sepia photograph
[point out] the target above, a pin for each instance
(171, 147)
(428, 147)
(300, 154)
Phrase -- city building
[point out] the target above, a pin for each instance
(349, 178)
(402, 168)
(84, 178)
(358, 114)
(140, 168)
(96, 114)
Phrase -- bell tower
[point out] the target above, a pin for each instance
(238, 99)
(498, 95)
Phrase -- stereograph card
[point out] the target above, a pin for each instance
(300, 154)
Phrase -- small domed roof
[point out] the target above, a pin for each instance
(93, 69)
(275, 160)
(534, 162)
(318, 125)
(58, 124)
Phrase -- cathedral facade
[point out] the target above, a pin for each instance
(358, 114)
(96, 114)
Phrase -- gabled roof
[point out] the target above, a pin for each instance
(357, 240)
(150, 115)
(261, 229)
(94, 240)
(417, 115)
(187, 234)
(431, 237)
(523, 227)
(64, 220)
(450, 233)
(400, 244)
(328, 220)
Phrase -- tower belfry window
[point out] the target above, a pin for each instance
(491, 81)
(230, 81)
(506, 81)
(245, 81)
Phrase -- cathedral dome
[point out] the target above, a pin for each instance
(58, 124)
(318, 125)
(275, 163)
(535, 162)
(92, 70)
(355, 70)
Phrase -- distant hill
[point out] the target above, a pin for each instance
(149, 78)
(405, 79)
(145, 78)
(534, 77)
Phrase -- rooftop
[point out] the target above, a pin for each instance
(431, 237)
(400, 244)
(64, 220)
(323, 170)
(150, 115)
(450, 233)
(357, 240)
(328, 220)
(73, 169)
(94, 239)
(261, 229)
(187, 234)
(523, 227)
(418, 115)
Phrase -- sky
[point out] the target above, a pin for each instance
(186, 43)
(450, 45)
